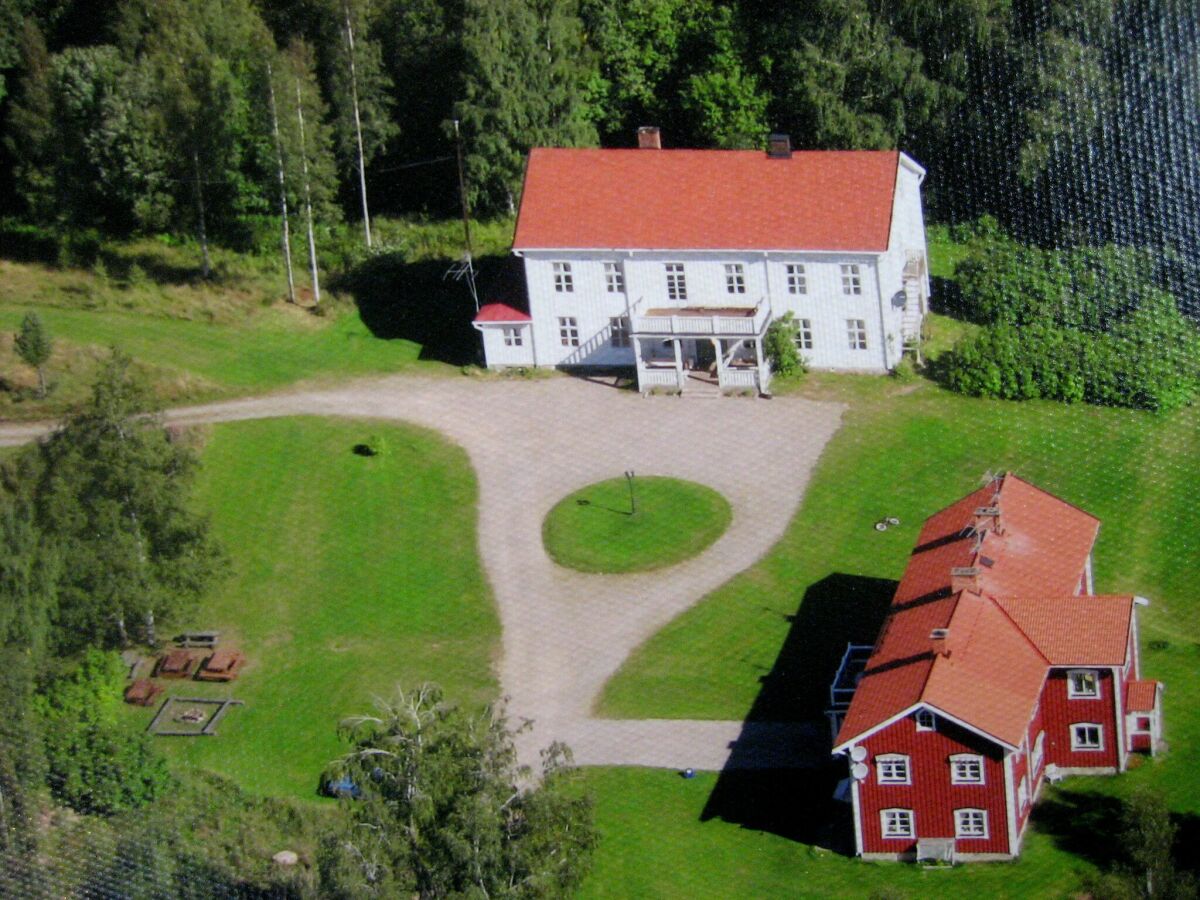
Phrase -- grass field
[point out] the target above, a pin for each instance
(595, 529)
(332, 590)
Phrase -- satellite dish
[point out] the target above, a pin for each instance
(859, 771)
(859, 753)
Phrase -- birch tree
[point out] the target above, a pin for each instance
(361, 100)
(285, 236)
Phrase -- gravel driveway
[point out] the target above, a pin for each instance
(564, 632)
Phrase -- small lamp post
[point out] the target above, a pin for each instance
(632, 497)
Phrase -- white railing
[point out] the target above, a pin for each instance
(735, 379)
(714, 325)
(652, 378)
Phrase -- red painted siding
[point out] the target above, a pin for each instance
(1061, 713)
(931, 796)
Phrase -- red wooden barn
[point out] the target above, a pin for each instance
(996, 668)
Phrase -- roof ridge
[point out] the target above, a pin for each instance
(999, 604)
(1042, 490)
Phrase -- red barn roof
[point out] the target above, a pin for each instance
(1010, 613)
(706, 200)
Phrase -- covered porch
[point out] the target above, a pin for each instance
(690, 348)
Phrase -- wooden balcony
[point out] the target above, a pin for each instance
(703, 321)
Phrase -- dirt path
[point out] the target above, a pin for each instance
(565, 633)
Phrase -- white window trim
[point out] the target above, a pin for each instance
(804, 334)
(886, 814)
(851, 279)
(1076, 745)
(513, 335)
(568, 331)
(856, 334)
(962, 816)
(1075, 693)
(966, 758)
(735, 278)
(886, 759)
(797, 278)
(564, 281)
(676, 281)
(614, 277)
(619, 331)
(1023, 792)
(929, 717)
(1039, 750)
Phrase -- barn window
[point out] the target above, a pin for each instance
(568, 331)
(1083, 684)
(1039, 748)
(925, 720)
(512, 337)
(892, 769)
(804, 334)
(735, 278)
(966, 768)
(797, 280)
(614, 278)
(564, 281)
(851, 279)
(897, 823)
(676, 281)
(856, 331)
(1023, 792)
(1087, 736)
(619, 330)
(970, 823)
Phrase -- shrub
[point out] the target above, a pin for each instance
(780, 346)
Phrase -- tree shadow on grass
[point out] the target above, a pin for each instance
(788, 791)
(416, 301)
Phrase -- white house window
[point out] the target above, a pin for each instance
(970, 823)
(892, 769)
(676, 282)
(1039, 747)
(896, 823)
(851, 279)
(735, 278)
(568, 331)
(619, 330)
(512, 337)
(856, 331)
(797, 280)
(564, 281)
(1023, 793)
(614, 278)
(1083, 683)
(1086, 736)
(966, 768)
(804, 334)
(925, 720)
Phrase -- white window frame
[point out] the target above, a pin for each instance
(618, 331)
(926, 720)
(676, 281)
(513, 336)
(797, 278)
(1023, 792)
(851, 279)
(614, 277)
(735, 278)
(897, 823)
(856, 333)
(971, 824)
(804, 334)
(1078, 687)
(1086, 745)
(568, 331)
(961, 766)
(564, 281)
(893, 768)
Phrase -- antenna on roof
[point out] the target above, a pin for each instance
(465, 268)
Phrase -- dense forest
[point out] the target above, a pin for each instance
(1069, 122)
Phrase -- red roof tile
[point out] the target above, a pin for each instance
(989, 667)
(706, 200)
(500, 312)
(1141, 696)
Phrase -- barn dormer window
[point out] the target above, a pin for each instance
(925, 720)
(966, 768)
(892, 768)
(564, 281)
(735, 278)
(851, 279)
(1083, 684)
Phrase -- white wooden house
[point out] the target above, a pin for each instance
(677, 261)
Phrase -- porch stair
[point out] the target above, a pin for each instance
(701, 386)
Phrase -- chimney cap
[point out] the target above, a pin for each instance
(779, 146)
(987, 511)
(649, 137)
(939, 634)
(964, 571)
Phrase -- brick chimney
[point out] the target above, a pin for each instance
(779, 146)
(965, 578)
(650, 137)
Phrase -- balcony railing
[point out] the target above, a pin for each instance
(691, 324)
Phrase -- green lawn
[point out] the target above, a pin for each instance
(333, 591)
(656, 843)
(761, 643)
(597, 530)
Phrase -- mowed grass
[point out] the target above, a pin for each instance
(605, 528)
(348, 576)
(658, 840)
